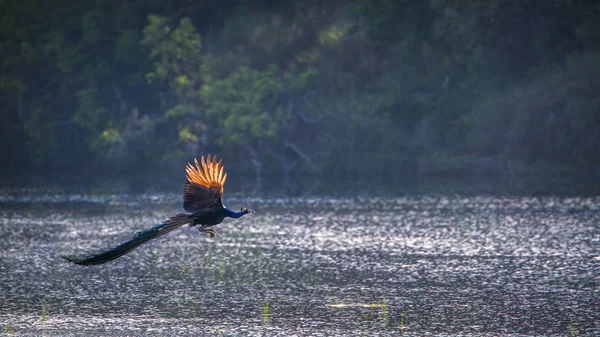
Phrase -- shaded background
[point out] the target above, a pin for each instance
(302, 97)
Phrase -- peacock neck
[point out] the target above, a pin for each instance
(231, 213)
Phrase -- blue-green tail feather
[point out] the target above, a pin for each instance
(108, 255)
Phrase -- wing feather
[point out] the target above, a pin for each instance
(201, 173)
(193, 174)
(220, 176)
(211, 172)
(215, 169)
(205, 168)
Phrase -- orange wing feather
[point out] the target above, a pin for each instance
(209, 174)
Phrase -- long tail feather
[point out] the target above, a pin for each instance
(174, 222)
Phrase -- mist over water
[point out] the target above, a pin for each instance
(319, 266)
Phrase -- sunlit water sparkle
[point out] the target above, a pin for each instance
(470, 266)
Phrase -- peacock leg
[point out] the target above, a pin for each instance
(210, 231)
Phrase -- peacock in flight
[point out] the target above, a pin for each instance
(201, 198)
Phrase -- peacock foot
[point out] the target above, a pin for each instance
(211, 232)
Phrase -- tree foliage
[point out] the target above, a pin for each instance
(305, 87)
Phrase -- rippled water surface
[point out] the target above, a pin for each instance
(416, 266)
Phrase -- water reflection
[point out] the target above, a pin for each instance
(311, 266)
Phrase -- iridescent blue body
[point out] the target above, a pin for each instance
(212, 218)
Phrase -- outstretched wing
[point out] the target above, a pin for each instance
(204, 186)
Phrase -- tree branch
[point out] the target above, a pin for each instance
(257, 168)
(302, 155)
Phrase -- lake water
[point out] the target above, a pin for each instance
(412, 266)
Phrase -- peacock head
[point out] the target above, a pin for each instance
(246, 210)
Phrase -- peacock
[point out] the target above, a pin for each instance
(202, 201)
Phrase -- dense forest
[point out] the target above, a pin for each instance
(333, 90)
